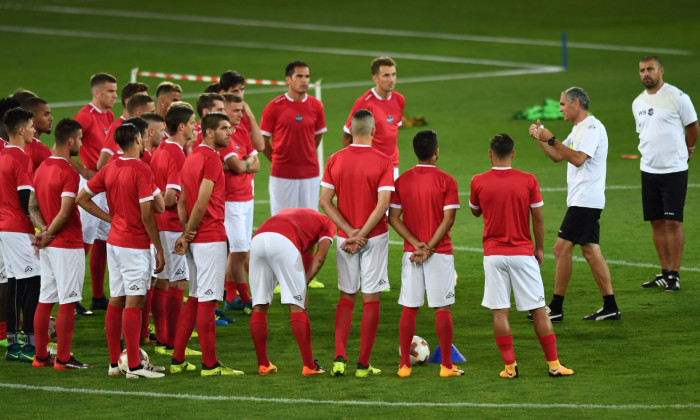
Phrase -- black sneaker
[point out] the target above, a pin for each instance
(659, 281)
(603, 315)
(673, 284)
(553, 316)
(99, 304)
(80, 310)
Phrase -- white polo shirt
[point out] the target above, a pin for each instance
(586, 183)
(661, 119)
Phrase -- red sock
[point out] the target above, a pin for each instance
(65, 322)
(113, 329)
(300, 322)
(132, 325)
(206, 328)
(3, 330)
(98, 263)
(173, 308)
(243, 293)
(505, 344)
(41, 328)
(443, 327)
(258, 330)
(368, 330)
(146, 313)
(231, 291)
(407, 328)
(185, 325)
(549, 345)
(160, 318)
(343, 322)
(306, 259)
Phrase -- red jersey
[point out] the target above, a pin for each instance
(239, 187)
(204, 163)
(357, 174)
(505, 196)
(37, 152)
(304, 227)
(245, 123)
(108, 144)
(3, 143)
(423, 193)
(95, 125)
(126, 183)
(16, 174)
(293, 127)
(388, 114)
(55, 179)
(166, 166)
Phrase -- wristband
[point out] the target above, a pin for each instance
(551, 141)
(247, 165)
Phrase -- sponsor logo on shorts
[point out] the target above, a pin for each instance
(390, 119)
(540, 299)
(179, 271)
(298, 297)
(382, 281)
(450, 295)
(72, 294)
(650, 112)
(28, 269)
(669, 213)
(209, 292)
(134, 288)
(298, 118)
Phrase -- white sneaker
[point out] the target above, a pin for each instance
(156, 368)
(144, 372)
(113, 371)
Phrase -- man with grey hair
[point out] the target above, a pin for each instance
(668, 130)
(363, 179)
(585, 149)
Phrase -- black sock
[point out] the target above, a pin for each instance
(609, 303)
(556, 304)
(674, 274)
(11, 306)
(31, 300)
(665, 273)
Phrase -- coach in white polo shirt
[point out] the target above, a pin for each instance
(668, 130)
(585, 149)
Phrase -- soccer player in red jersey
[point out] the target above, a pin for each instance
(276, 251)
(232, 82)
(507, 198)
(154, 135)
(206, 102)
(132, 197)
(201, 207)
(95, 118)
(362, 178)
(422, 211)
(386, 105)
(295, 121)
(240, 165)
(43, 120)
(62, 256)
(19, 215)
(137, 104)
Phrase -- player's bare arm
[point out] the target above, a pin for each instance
(267, 151)
(557, 152)
(200, 206)
(691, 137)
(102, 161)
(84, 200)
(158, 204)
(397, 223)
(248, 165)
(82, 171)
(538, 230)
(59, 221)
(476, 212)
(329, 207)
(170, 197)
(319, 259)
(353, 243)
(448, 220)
(149, 222)
(317, 139)
(255, 134)
(35, 213)
(347, 139)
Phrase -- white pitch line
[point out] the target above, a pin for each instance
(345, 402)
(348, 29)
(608, 187)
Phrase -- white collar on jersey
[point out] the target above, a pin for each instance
(58, 157)
(286, 95)
(12, 145)
(425, 166)
(359, 145)
(96, 108)
(500, 168)
(175, 143)
(376, 95)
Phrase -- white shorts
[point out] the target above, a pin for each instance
(21, 258)
(435, 276)
(286, 193)
(175, 264)
(62, 275)
(369, 263)
(129, 271)
(396, 173)
(521, 273)
(94, 228)
(3, 273)
(275, 260)
(207, 266)
(238, 222)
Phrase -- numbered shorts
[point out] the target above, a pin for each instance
(129, 271)
(62, 275)
(366, 268)
(238, 222)
(176, 268)
(207, 264)
(21, 258)
(517, 273)
(434, 277)
(285, 193)
(275, 260)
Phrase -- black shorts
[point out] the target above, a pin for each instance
(581, 225)
(663, 195)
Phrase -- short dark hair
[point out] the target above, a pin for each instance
(381, 61)
(15, 118)
(502, 145)
(289, 71)
(206, 101)
(230, 97)
(424, 144)
(178, 113)
(7, 104)
(65, 129)
(132, 88)
(212, 120)
(125, 135)
(101, 78)
(167, 87)
(229, 79)
(651, 57)
(152, 117)
(33, 103)
(138, 101)
(213, 88)
(21, 95)
(139, 123)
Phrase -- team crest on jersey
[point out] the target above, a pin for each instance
(106, 130)
(238, 147)
(390, 119)
(299, 118)
(650, 112)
